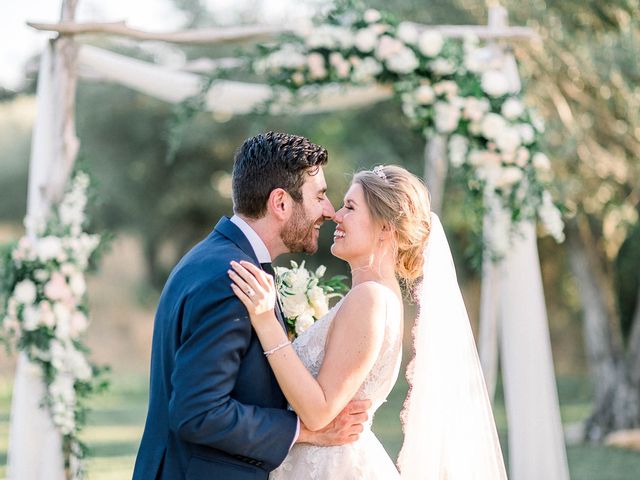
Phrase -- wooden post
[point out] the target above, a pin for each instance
(435, 170)
(53, 153)
(65, 61)
(490, 292)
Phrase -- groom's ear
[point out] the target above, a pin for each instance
(279, 203)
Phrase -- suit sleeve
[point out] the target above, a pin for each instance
(216, 335)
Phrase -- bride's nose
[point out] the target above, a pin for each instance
(337, 218)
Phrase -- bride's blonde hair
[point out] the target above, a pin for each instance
(399, 199)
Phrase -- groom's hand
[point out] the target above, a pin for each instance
(345, 428)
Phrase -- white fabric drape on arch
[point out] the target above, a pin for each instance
(513, 315)
(536, 441)
(35, 446)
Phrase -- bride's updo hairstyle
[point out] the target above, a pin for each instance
(399, 199)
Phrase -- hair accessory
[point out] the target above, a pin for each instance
(378, 170)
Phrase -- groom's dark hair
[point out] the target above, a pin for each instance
(268, 161)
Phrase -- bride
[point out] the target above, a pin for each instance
(388, 236)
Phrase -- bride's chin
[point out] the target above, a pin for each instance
(335, 251)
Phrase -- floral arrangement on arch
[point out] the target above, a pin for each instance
(43, 296)
(446, 86)
(304, 295)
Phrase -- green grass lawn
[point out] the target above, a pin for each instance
(115, 426)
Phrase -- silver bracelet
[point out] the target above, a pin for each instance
(275, 349)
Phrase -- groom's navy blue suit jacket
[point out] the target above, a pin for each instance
(215, 408)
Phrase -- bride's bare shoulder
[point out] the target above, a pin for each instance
(366, 300)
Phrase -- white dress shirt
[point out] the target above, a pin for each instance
(261, 251)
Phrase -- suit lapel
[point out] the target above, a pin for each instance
(231, 231)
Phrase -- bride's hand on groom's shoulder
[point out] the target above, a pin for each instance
(256, 290)
(344, 429)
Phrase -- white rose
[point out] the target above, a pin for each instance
(340, 64)
(288, 57)
(407, 33)
(541, 162)
(551, 218)
(320, 271)
(79, 365)
(57, 354)
(47, 317)
(495, 83)
(484, 158)
(492, 125)
(366, 70)
(442, 66)
(343, 37)
(508, 140)
(25, 292)
(475, 128)
(430, 43)
(512, 109)
(49, 248)
(62, 389)
(458, 146)
(508, 177)
(24, 250)
(294, 305)
(522, 156)
(317, 68)
(405, 61)
(41, 275)
(303, 322)
(409, 109)
(475, 108)
(372, 15)
(447, 117)
(318, 301)
(526, 133)
(299, 279)
(321, 37)
(63, 318)
(446, 87)
(78, 284)
(424, 95)
(388, 47)
(72, 214)
(476, 59)
(366, 40)
(31, 318)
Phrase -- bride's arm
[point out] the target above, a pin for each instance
(352, 347)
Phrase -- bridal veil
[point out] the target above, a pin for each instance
(448, 424)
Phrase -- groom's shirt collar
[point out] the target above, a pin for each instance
(259, 248)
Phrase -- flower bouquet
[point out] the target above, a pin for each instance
(304, 295)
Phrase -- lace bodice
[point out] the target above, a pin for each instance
(310, 347)
(366, 458)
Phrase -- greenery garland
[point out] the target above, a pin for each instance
(44, 312)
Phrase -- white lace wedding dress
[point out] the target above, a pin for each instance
(365, 459)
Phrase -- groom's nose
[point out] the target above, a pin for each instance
(328, 212)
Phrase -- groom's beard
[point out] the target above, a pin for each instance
(298, 234)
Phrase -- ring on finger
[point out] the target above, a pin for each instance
(250, 292)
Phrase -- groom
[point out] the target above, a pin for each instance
(215, 408)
